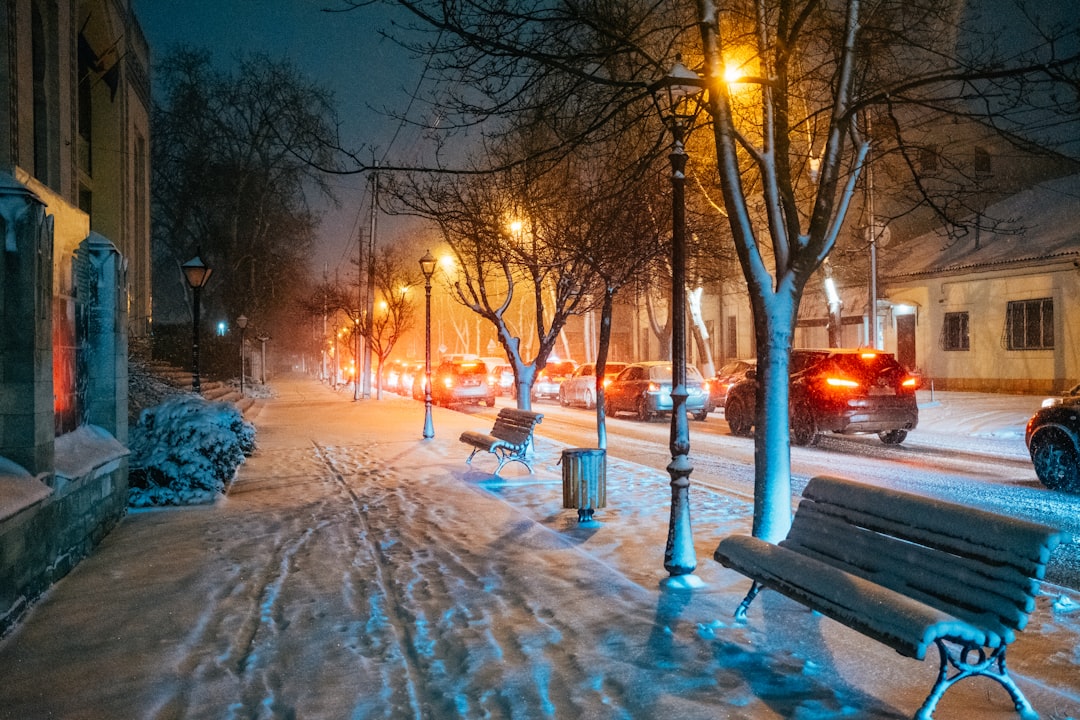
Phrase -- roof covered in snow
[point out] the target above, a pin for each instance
(1036, 226)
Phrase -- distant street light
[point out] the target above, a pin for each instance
(427, 266)
(196, 272)
(676, 97)
(242, 322)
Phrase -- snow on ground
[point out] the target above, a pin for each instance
(357, 571)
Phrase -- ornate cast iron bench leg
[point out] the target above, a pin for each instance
(992, 666)
(740, 612)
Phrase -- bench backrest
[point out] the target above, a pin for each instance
(515, 426)
(975, 565)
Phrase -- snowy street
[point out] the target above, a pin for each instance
(355, 570)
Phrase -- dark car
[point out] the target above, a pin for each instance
(580, 388)
(836, 390)
(644, 389)
(462, 381)
(550, 379)
(727, 376)
(1053, 439)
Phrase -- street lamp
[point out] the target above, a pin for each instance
(242, 322)
(676, 98)
(427, 266)
(196, 272)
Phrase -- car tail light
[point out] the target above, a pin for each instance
(868, 355)
(654, 387)
(448, 383)
(841, 383)
(910, 383)
(607, 381)
(705, 386)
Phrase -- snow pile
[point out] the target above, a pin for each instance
(184, 450)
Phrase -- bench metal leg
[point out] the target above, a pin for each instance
(992, 666)
(740, 612)
(468, 460)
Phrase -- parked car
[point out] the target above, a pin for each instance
(409, 374)
(727, 376)
(836, 390)
(580, 388)
(550, 379)
(1053, 439)
(502, 378)
(461, 381)
(644, 388)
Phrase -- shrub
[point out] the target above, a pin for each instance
(185, 450)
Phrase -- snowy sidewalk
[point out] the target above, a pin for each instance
(357, 571)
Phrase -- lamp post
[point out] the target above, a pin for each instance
(427, 266)
(676, 98)
(262, 363)
(196, 273)
(242, 321)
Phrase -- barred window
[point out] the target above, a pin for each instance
(955, 332)
(1029, 324)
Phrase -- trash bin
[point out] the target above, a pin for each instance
(584, 479)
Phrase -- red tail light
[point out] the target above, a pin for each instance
(841, 383)
(653, 387)
(910, 383)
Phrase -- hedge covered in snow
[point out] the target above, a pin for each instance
(184, 450)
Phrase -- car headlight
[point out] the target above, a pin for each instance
(1051, 402)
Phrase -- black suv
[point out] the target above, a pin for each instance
(1053, 439)
(840, 391)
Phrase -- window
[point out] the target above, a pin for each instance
(955, 332)
(982, 164)
(1029, 324)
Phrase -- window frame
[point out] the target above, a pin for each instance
(1029, 324)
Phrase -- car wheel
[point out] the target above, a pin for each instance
(737, 414)
(490, 402)
(643, 413)
(1056, 461)
(589, 404)
(803, 428)
(562, 398)
(609, 409)
(893, 437)
(701, 415)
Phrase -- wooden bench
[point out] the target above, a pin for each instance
(509, 440)
(907, 571)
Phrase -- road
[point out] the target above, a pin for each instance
(993, 474)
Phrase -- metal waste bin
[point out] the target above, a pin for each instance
(584, 480)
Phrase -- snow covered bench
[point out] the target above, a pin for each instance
(509, 440)
(907, 571)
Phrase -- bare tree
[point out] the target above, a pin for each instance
(230, 179)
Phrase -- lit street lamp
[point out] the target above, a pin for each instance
(196, 272)
(676, 97)
(242, 322)
(427, 266)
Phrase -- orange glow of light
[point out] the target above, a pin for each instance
(911, 382)
(841, 382)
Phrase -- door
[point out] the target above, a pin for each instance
(905, 340)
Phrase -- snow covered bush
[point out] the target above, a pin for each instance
(184, 450)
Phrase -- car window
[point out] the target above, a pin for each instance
(471, 368)
(660, 373)
(692, 373)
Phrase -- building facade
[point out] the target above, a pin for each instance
(74, 215)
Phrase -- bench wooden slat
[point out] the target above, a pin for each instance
(956, 529)
(1005, 598)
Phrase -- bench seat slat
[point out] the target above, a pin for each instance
(961, 586)
(906, 625)
(953, 528)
